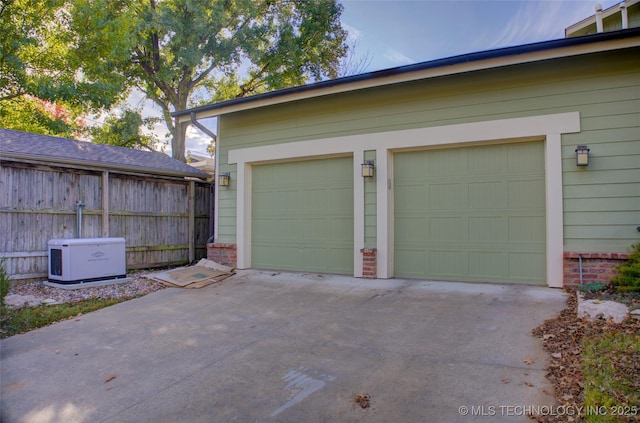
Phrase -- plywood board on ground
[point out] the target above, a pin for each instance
(204, 273)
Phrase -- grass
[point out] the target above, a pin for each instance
(15, 321)
(610, 366)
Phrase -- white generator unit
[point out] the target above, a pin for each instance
(81, 260)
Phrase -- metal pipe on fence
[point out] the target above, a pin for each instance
(79, 219)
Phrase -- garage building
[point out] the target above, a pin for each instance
(475, 175)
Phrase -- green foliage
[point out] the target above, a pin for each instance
(628, 278)
(88, 55)
(211, 148)
(37, 57)
(4, 284)
(29, 318)
(592, 287)
(182, 52)
(125, 131)
(30, 114)
(607, 361)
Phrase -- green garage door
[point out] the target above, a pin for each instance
(471, 214)
(302, 216)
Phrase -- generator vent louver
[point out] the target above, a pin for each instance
(81, 260)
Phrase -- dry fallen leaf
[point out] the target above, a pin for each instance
(528, 361)
(110, 378)
(528, 383)
(363, 400)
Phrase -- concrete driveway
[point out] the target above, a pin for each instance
(266, 346)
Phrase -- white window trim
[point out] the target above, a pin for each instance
(543, 127)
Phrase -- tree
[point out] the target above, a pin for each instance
(184, 52)
(30, 114)
(352, 64)
(125, 131)
(211, 148)
(42, 88)
(37, 58)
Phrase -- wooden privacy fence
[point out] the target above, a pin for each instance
(165, 220)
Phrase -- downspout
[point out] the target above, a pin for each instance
(212, 198)
(580, 264)
(202, 127)
(623, 15)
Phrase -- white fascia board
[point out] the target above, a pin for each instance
(384, 214)
(554, 210)
(358, 213)
(492, 130)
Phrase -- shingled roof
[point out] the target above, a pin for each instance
(24, 146)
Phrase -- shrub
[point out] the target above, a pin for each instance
(592, 287)
(4, 283)
(628, 278)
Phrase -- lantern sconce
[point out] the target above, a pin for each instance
(582, 155)
(368, 169)
(224, 179)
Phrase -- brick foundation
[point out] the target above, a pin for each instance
(596, 267)
(369, 263)
(226, 254)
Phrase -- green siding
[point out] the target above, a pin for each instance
(604, 88)
(302, 216)
(473, 214)
(370, 211)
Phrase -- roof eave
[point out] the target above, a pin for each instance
(101, 166)
(507, 56)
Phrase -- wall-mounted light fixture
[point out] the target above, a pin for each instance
(224, 179)
(368, 169)
(582, 155)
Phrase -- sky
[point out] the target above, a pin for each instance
(392, 33)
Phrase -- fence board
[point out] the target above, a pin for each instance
(39, 202)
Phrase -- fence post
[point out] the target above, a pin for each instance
(192, 221)
(105, 203)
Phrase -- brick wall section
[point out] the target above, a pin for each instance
(596, 267)
(369, 263)
(222, 253)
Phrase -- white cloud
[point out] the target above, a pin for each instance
(397, 58)
(354, 34)
(539, 21)
(197, 141)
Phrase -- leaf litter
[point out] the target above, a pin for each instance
(562, 339)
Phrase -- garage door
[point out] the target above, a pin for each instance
(471, 214)
(302, 216)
